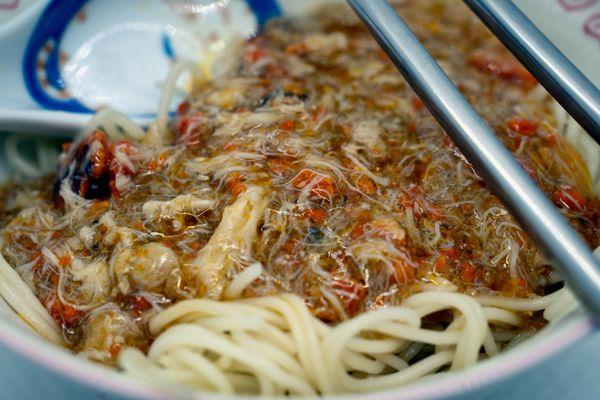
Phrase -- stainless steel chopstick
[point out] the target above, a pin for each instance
(562, 79)
(549, 229)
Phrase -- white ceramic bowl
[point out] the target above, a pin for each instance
(573, 24)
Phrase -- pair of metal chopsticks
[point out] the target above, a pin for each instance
(549, 229)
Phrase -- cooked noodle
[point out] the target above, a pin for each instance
(281, 348)
(162, 114)
(46, 154)
(20, 297)
(116, 125)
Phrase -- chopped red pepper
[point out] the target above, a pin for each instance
(279, 165)
(183, 107)
(253, 54)
(417, 103)
(358, 231)
(115, 349)
(183, 125)
(467, 272)
(231, 146)
(99, 161)
(65, 261)
(321, 185)
(316, 215)
(446, 255)
(62, 313)
(140, 303)
(504, 67)
(350, 291)
(287, 125)
(366, 185)
(413, 198)
(158, 162)
(551, 140)
(404, 273)
(70, 314)
(452, 253)
(188, 128)
(295, 48)
(522, 126)
(235, 184)
(440, 263)
(569, 197)
(317, 113)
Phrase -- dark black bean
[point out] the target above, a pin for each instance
(98, 188)
(315, 235)
(265, 99)
(302, 96)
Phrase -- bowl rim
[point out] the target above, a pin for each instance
(563, 333)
